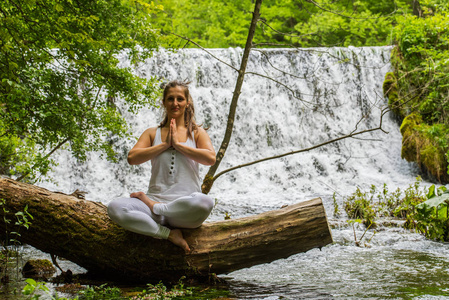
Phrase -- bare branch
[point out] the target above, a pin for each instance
(294, 75)
(280, 83)
(273, 44)
(204, 49)
(350, 135)
(311, 50)
(283, 33)
(277, 69)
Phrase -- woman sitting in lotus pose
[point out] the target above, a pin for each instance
(175, 148)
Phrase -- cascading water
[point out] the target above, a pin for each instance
(314, 95)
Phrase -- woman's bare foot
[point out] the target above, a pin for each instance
(176, 238)
(144, 198)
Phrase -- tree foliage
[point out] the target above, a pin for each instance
(221, 24)
(212, 24)
(334, 23)
(421, 85)
(60, 76)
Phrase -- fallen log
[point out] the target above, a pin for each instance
(81, 231)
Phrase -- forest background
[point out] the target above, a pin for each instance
(60, 76)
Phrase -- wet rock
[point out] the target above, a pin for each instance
(38, 268)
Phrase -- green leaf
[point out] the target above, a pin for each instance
(59, 7)
(431, 192)
(435, 201)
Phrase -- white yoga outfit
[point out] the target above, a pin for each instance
(175, 183)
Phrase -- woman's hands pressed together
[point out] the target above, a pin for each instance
(143, 150)
(173, 134)
(172, 139)
(204, 152)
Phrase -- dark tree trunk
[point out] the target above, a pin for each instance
(80, 231)
(417, 8)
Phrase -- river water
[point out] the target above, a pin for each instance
(314, 95)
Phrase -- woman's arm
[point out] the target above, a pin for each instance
(144, 151)
(204, 152)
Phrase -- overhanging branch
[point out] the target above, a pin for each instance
(350, 135)
(204, 49)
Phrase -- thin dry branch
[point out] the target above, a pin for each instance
(283, 33)
(327, 52)
(204, 49)
(350, 135)
(294, 75)
(279, 70)
(280, 83)
(274, 44)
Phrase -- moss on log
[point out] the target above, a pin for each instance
(80, 231)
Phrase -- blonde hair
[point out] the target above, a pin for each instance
(189, 113)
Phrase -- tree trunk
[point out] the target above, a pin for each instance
(80, 231)
(209, 178)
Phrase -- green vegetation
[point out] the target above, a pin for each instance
(160, 291)
(432, 218)
(426, 145)
(212, 24)
(424, 210)
(59, 77)
(101, 292)
(221, 24)
(10, 238)
(371, 205)
(335, 23)
(34, 290)
(418, 90)
(32, 287)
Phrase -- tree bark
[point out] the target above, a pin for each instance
(80, 231)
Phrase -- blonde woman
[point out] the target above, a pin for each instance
(175, 148)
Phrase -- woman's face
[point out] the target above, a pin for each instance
(175, 102)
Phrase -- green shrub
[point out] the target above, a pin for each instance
(359, 205)
(368, 206)
(432, 219)
(424, 210)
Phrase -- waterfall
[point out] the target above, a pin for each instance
(314, 95)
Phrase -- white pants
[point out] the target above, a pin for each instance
(185, 212)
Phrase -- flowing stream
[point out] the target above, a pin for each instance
(312, 96)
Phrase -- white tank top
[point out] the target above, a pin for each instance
(173, 175)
